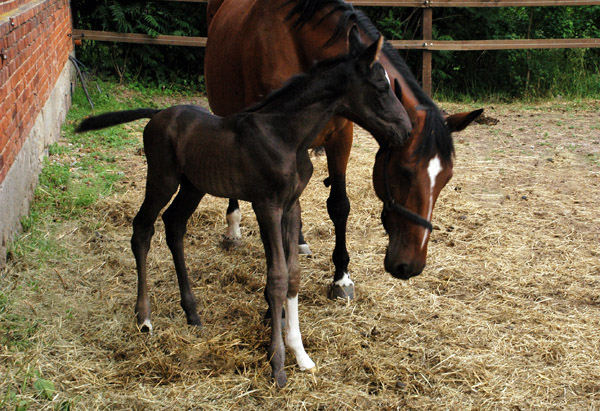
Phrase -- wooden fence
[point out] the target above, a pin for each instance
(427, 44)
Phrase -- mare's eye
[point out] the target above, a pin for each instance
(405, 173)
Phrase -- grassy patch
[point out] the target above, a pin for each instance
(80, 170)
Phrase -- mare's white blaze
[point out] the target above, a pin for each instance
(345, 281)
(293, 339)
(233, 225)
(433, 169)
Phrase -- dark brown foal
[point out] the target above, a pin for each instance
(259, 155)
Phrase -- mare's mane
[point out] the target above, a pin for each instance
(436, 135)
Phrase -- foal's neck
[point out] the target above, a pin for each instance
(299, 125)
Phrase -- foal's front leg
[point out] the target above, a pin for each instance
(269, 217)
(293, 338)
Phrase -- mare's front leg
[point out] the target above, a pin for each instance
(293, 338)
(269, 217)
(338, 207)
(175, 219)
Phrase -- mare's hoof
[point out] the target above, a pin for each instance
(341, 291)
(304, 249)
(229, 243)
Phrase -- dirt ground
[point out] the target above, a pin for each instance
(506, 314)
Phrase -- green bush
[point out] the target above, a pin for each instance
(479, 74)
(510, 73)
(162, 66)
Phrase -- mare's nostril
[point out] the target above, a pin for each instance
(401, 270)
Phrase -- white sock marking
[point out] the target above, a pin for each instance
(233, 225)
(433, 169)
(293, 339)
(345, 281)
(146, 324)
(304, 249)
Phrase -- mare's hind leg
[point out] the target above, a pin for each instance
(159, 191)
(233, 235)
(175, 218)
(338, 207)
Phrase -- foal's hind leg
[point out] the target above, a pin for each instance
(175, 218)
(158, 193)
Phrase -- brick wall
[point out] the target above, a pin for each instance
(35, 47)
(35, 43)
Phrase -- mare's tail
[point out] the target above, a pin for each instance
(113, 118)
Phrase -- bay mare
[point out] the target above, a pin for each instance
(255, 45)
(259, 155)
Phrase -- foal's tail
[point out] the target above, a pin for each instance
(113, 118)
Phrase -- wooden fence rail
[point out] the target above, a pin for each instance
(427, 44)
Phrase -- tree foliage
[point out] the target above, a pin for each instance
(510, 73)
(160, 65)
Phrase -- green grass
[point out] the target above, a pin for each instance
(80, 169)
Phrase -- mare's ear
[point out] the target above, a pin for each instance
(460, 121)
(371, 54)
(398, 89)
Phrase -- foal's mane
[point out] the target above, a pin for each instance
(436, 135)
(295, 91)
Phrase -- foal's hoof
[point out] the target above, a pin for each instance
(280, 379)
(343, 292)
(145, 327)
(195, 322)
(229, 243)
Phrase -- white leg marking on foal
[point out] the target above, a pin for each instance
(293, 339)
(233, 225)
(345, 281)
(146, 324)
(433, 169)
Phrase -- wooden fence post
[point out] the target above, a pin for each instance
(427, 30)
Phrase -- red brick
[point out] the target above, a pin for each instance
(3, 135)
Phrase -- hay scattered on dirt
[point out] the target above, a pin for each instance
(505, 315)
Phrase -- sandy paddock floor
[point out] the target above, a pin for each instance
(505, 316)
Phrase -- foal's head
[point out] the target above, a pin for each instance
(368, 98)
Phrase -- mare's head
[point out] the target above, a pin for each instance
(408, 178)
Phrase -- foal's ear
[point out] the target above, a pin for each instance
(371, 54)
(355, 44)
(460, 121)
